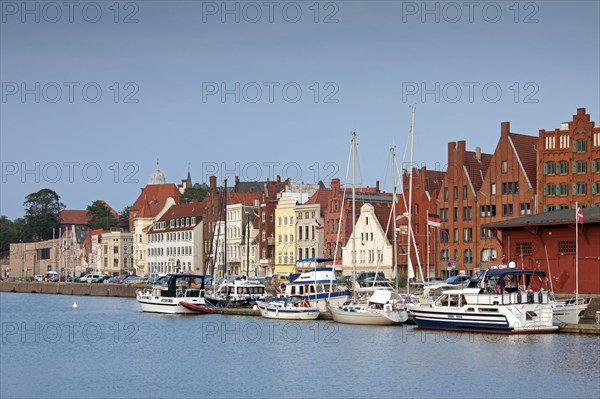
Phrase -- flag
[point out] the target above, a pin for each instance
(318, 226)
(255, 213)
(579, 215)
(433, 220)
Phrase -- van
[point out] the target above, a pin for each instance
(51, 276)
(90, 278)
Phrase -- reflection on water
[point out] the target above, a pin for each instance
(108, 348)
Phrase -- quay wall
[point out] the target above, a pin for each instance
(37, 287)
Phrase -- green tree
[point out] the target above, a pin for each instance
(41, 213)
(192, 193)
(124, 218)
(101, 216)
(8, 234)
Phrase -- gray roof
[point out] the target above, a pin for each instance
(563, 216)
(370, 197)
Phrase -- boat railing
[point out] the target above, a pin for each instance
(513, 298)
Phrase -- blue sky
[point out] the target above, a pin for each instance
(359, 67)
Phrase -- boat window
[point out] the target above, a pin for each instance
(301, 290)
(320, 288)
(293, 291)
(240, 290)
(312, 289)
(442, 300)
(453, 300)
(463, 300)
(488, 310)
(327, 287)
(470, 309)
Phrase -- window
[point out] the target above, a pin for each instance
(416, 209)
(549, 208)
(562, 168)
(507, 209)
(566, 247)
(445, 193)
(443, 235)
(454, 193)
(579, 188)
(549, 168)
(596, 166)
(464, 193)
(455, 214)
(467, 213)
(523, 248)
(493, 189)
(487, 211)
(467, 235)
(579, 146)
(455, 235)
(550, 142)
(445, 255)
(300, 233)
(549, 190)
(468, 256)
(525, 209)
(487, 234)
(488, 254)
(279, 221)
(510, 187)
(562, 189)
(596, 188)
(504, 167)
(579, 167)
(443, 214)
(115, 250)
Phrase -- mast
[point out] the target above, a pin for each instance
(577, 253)
(410, 182)
(353, 215)
(225, 228)
(394, 188)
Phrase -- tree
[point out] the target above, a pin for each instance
(101, 216)
(124, 218)
(42, 213)
(8, 234)
(193, 193)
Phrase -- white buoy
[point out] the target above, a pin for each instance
(74, 305)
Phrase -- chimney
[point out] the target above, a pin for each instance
(237, 180)
(504, 128)
(278, 179)
(580, 111)
(377, 186)
(478, 153)
(213, 183)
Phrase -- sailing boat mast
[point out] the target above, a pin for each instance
(410, 182)
(394, 191)
(353, 216)
(225, 228)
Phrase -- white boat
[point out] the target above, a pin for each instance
(384, 307)
(569, 311)
(292, 308)
(503, 301)
(187, 288)
(238, 292)
(318, 286)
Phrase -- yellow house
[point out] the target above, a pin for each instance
(285, 240)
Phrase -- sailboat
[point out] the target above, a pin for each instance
(233, 291)
(384, 307)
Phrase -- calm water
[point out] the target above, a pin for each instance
(108, 348)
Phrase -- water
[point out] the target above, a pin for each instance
(107, 348)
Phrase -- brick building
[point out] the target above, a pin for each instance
(425, 192)
(568, 168)
(546, 242)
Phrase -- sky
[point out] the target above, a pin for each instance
(95, 93)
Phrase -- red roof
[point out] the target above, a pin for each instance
(183, 210)
(475, 168)
(73, 217)
(525, 147)
(152, 200)
(321, 197)
(243, 198)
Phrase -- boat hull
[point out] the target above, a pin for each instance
(368, 317)
(497, 322)
(287, 313)
(565, 313)
(168, 305)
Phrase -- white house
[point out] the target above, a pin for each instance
(373, 249)
(175, 241)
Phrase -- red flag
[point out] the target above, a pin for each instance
(579, 215)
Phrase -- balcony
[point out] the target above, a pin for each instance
(271, 241)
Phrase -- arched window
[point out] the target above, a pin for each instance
(468, 256)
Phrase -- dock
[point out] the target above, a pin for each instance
(593, 329)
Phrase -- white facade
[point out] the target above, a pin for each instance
(310, 242)
(216, 264)
(373, 250)
(175, 246)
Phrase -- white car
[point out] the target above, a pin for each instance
(90, 278)
(38, 277)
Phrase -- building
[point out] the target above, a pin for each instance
(370, 243)
(568, 168)
(310, 228)
(508, 191)
(74, 220)
(285, 245)
(175, 241)
(547, 242)
(27, 259)
(115, 253)
(239, 224)
(154, 200)
(266, 243)
(457, 201)
(425, 192)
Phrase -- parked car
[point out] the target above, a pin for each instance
(38, 277)
(134, 280)
(458, 280)
(51, 277)
(156, 279)
(90, 278)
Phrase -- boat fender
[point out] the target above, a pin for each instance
(387, 307)
(519, 298)
(530, 296)
(540, 297)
